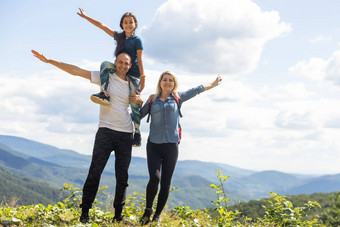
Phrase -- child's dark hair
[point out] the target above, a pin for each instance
(121, 36)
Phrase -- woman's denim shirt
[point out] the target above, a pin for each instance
(165, 116)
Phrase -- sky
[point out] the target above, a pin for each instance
(278, 105)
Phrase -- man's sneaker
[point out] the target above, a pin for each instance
(137, 140)
(84, 218)
(121, 219)
(117, 219)
(101, 98)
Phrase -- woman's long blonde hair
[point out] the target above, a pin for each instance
(159, 89)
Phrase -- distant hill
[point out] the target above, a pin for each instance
(207, 169)
(55, 166)
(259, 184)
(324, 184)
(40, 170)
(46, 152)
(26, 190)
(138, 166)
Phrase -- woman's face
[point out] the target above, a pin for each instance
(128, 24)
(167, 83)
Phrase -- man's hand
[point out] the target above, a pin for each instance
(41, 57)
(136, 99)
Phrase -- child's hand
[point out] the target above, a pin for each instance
(141, 84)
(81, 13)
(41, 57)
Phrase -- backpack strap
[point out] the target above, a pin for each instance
(178, 101)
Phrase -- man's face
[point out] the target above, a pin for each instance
(123, 64)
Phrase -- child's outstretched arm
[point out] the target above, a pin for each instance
(96, 23)
(141, 69)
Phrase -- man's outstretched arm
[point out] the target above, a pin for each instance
(71, 69)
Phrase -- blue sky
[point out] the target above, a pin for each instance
(277, 108)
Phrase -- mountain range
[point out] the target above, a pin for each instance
(52, 167)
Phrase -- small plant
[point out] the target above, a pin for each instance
(134, 206)
(282, 213)
(221, 203)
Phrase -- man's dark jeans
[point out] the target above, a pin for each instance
(106, 141)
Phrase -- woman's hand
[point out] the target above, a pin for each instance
(81, 13)
(41, 57)
(217, 81)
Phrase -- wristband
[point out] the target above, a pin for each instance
(142, 75)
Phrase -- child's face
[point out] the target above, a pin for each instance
(167, 83)
(129, 24)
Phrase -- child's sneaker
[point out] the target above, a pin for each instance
(137, 140)
(101, 98)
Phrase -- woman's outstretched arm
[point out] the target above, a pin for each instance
(186, 95)
(71, 69)
(96, 23)
(213, 84)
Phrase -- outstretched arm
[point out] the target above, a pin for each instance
(213, 84)
(71, 69)
(197, 90)
(96, 23)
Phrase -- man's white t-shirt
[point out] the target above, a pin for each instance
(116, 116)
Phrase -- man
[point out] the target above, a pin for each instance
(114, 132)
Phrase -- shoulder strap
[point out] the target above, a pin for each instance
(178, 101)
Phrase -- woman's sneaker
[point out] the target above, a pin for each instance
(146, 216)
(84, 218)
(101, 98)
(155, 218)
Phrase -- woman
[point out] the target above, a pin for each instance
(162, 146)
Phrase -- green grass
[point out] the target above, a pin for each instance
(279, 211)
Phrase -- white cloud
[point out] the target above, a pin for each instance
(293, 91)
(314, 69)
(319, 69)
(50, 107)
(321, 38)
(191, 35)
(294, 121)
(333, 68)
